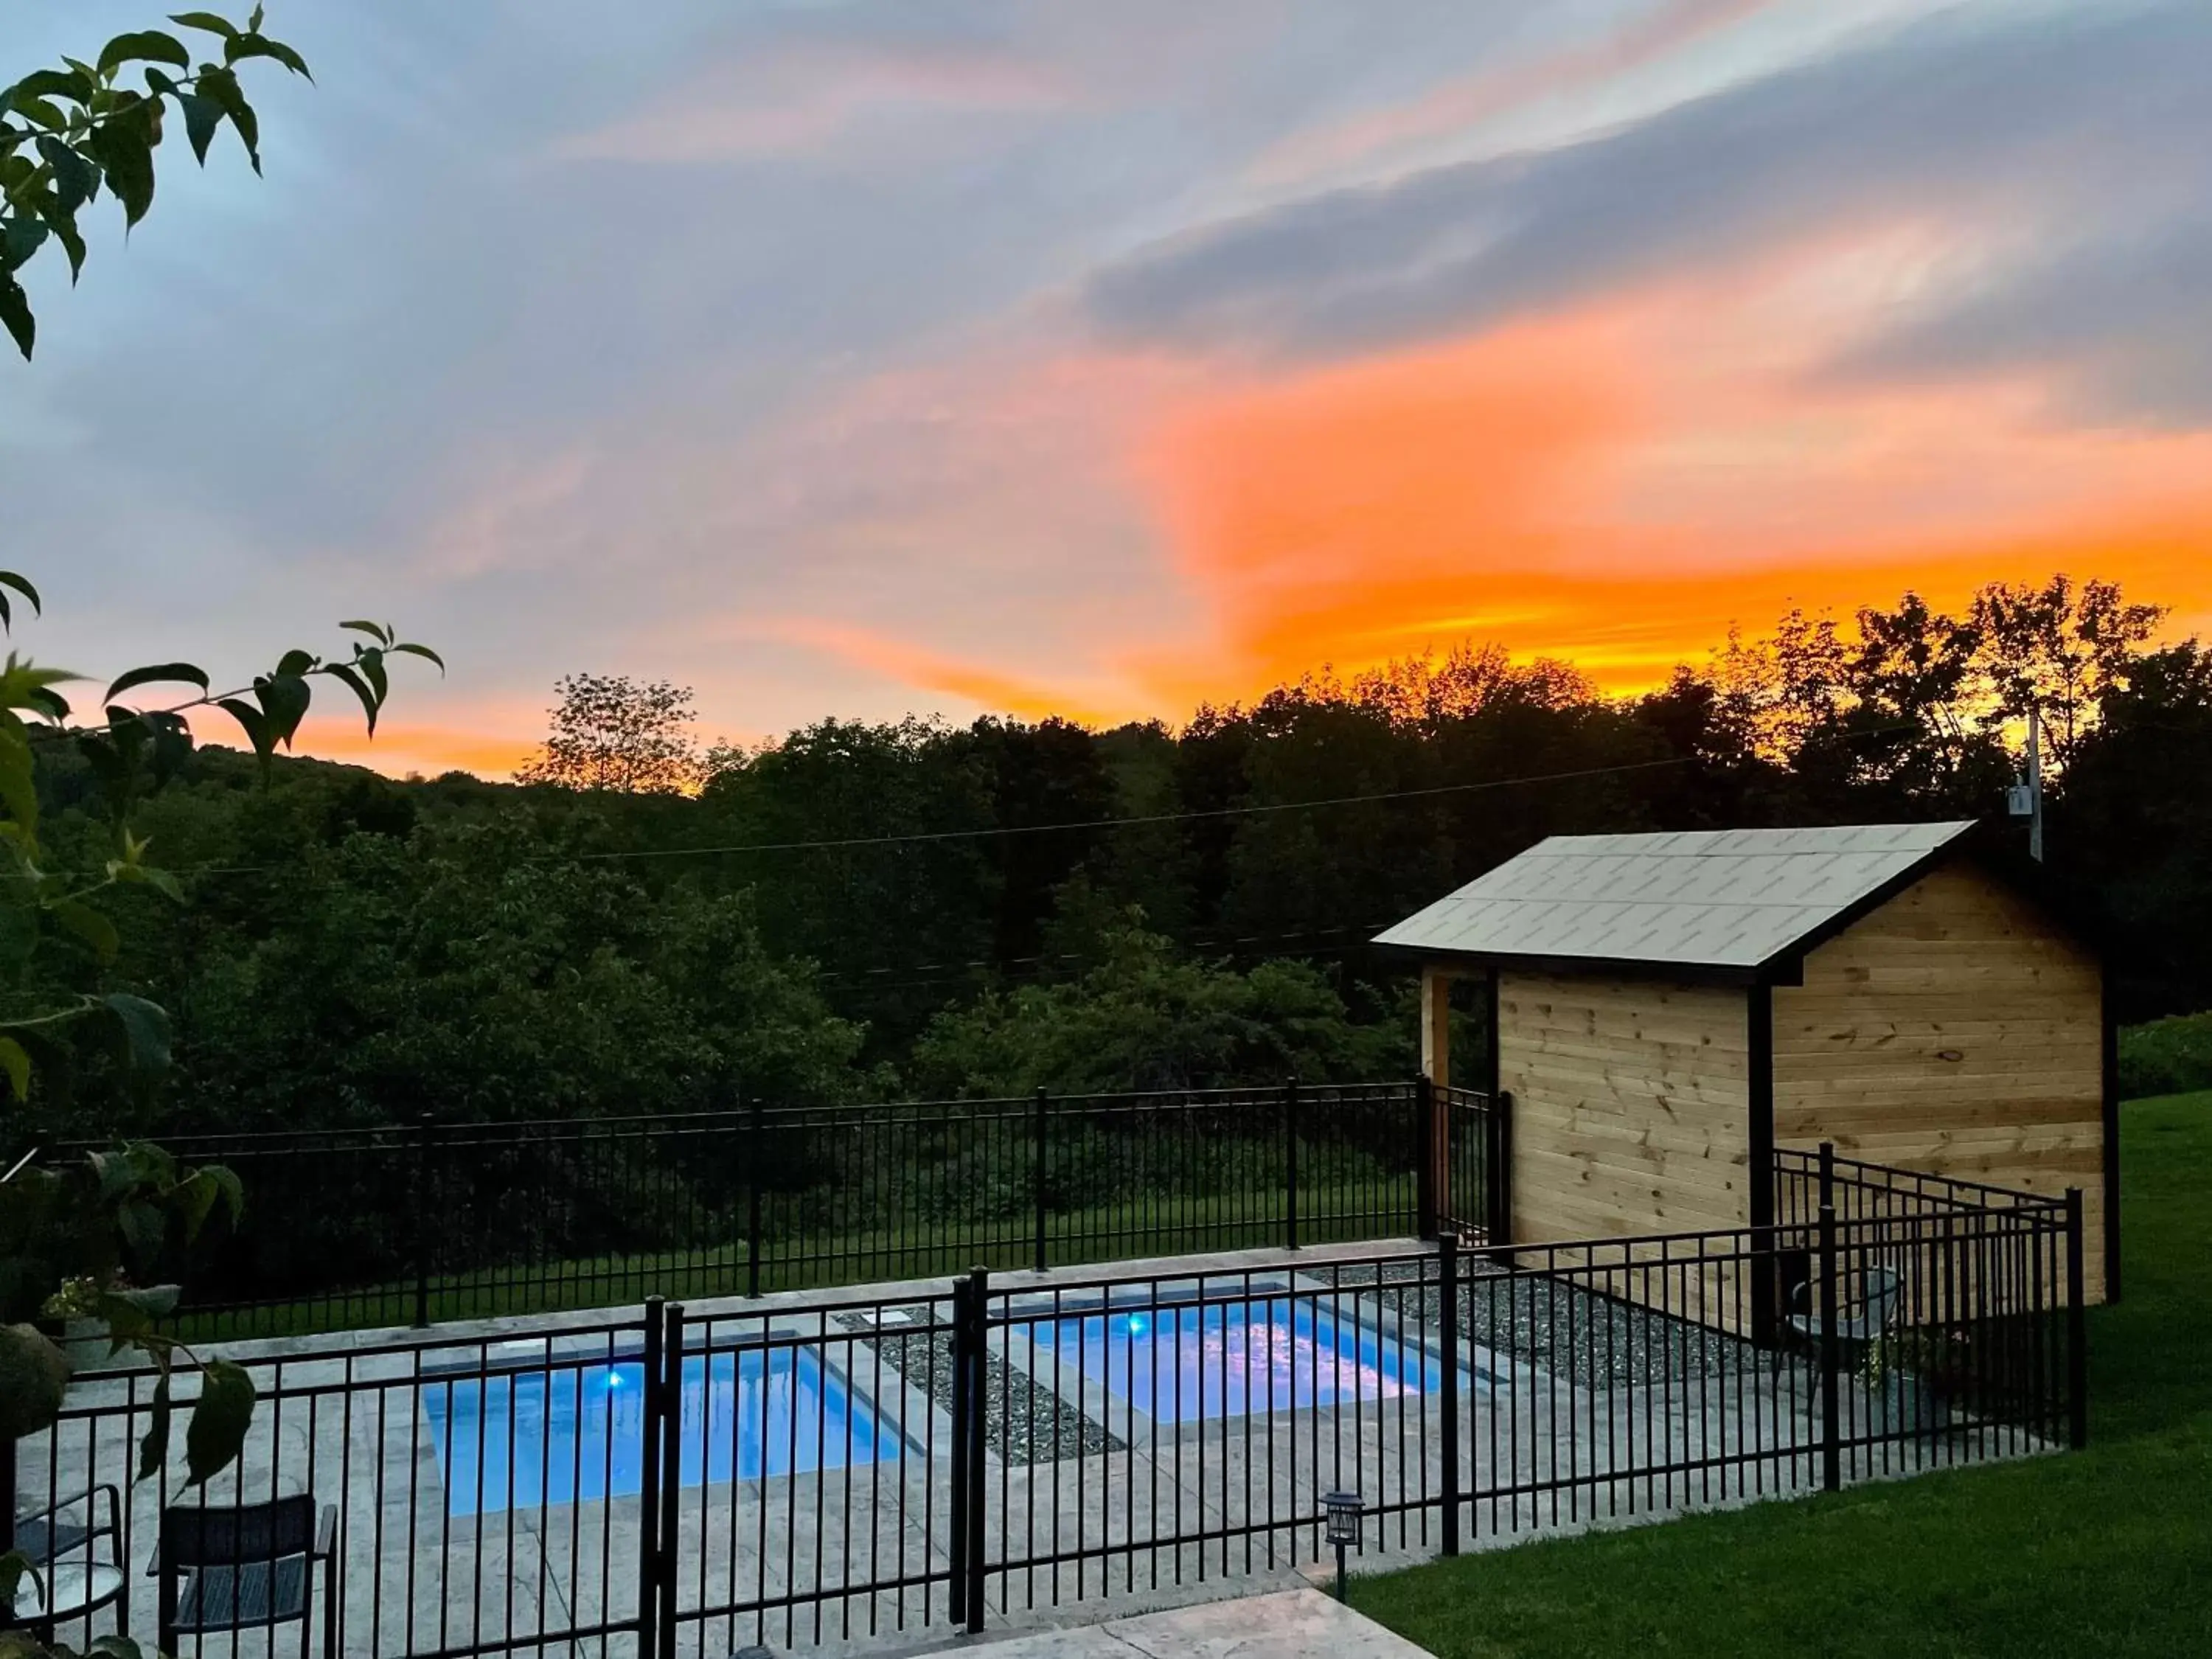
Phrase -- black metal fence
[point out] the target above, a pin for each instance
(824, 1468)
(431, 1221)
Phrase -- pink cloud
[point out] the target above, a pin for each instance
(807, 99)
(1472, 99)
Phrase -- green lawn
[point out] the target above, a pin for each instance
(1239, 1220)
(2107, 1551)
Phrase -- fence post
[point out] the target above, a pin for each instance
(1424, 1156)
(425, 1125)
(975, 1404)
(1498, 1224)
(1037, 1181)
(1290, 1159)
(671, 1481)
(756, 1123)
(1831, 1428)
(2078, 1325)
(1447, 1288)
(648, 1532)
(956, 1600)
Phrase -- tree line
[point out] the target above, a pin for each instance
(869, 911)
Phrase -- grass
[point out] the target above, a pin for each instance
(2104, 1552)
(1244, 1219)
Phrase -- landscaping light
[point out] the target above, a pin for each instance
(1343, 1511)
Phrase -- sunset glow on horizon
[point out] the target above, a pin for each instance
(981, 361)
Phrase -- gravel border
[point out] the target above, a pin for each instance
(1568, 1329)
(1025, 1421)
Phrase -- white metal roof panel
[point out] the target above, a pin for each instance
(1725, 898)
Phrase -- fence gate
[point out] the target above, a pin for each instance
(1474, 1157)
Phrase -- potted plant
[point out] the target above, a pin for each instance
(1904, 1373)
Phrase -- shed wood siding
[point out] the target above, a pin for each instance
(1954, 1030)
(1631, 1105)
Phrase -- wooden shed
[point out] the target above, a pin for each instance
(1669, 1009)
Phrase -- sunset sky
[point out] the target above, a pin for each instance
(1101, 357)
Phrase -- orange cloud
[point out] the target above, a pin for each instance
(973, 683)
(399, 750)
(1617, 483)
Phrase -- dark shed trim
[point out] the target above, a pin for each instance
(1620, 967)
(1758, 1031)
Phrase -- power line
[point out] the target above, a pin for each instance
(989, 831)
(841, 844)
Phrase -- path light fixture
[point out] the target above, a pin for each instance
(1343, 1511)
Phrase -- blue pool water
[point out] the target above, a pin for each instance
(1179, 1364)
(516, 1439)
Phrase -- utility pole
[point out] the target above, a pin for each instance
(2026, 796)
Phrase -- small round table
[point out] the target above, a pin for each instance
(63, 1592)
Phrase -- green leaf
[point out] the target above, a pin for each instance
(76, 179)
(295, 663)
(154, 1446)
(127, 158)
(284, 699)
(19, 791)
(422, 651)
(221, 1416)
(370, 629)
(162, 881)
(206, 22)
(221, 86)
(48, 702)
(21, 236)
(179, 673)
(234, 1190)
(65, 231)
(74, 84)
(16, 1060)
(33, 1376)
(345, 676)
(132, 1313)
(145, 1030)
(255, 724)
(45, 115)
(201, 117)
(243, 46)
(88, 925)
(15, 316)
(146, 46)
(370, 662)
(22, 585)
(144, 1227)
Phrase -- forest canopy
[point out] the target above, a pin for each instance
(869, 911)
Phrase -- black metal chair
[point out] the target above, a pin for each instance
(45, 1536)
(248, 1565)
(68, 1535)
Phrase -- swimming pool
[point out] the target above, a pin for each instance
(1179, 1364)
(516, 1439)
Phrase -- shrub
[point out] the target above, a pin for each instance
(2166, 1057)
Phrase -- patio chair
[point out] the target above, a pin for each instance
(47, 1536)
(1858, 1325)
(78, 1555)
(245, 1567)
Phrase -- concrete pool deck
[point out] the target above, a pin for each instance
(1296, 1624)
(855, 1559)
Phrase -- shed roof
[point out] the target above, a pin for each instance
(1725, 899)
